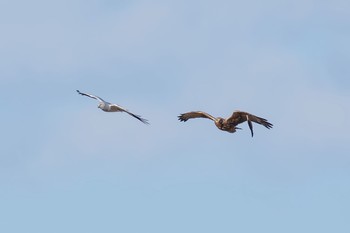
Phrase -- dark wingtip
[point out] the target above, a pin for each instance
(138, 117)
(268, 125)
(181, 118)
(145, 121)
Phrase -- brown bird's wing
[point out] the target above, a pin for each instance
(239, 117)
(117, 108)
(197, 114)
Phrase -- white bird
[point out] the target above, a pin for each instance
(108, 107)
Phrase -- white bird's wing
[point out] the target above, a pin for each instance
(117, 108)
(91, 96)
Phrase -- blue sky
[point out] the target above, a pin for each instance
(66, 166)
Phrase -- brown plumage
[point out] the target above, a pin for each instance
(230, 123)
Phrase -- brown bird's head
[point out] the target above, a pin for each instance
(219, 122)
(225, 126)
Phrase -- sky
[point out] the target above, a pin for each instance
(67, 166)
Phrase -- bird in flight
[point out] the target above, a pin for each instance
(108, 107)
(230, 123)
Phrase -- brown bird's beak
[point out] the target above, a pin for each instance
(238, 128)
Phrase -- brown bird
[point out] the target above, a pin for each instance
(230, 123)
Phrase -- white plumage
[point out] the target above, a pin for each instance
(109, 107)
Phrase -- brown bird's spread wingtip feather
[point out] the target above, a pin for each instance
(181, 118)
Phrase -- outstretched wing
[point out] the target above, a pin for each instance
(239, 117)
(198, 114)
(117, 108)
(91, 96)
